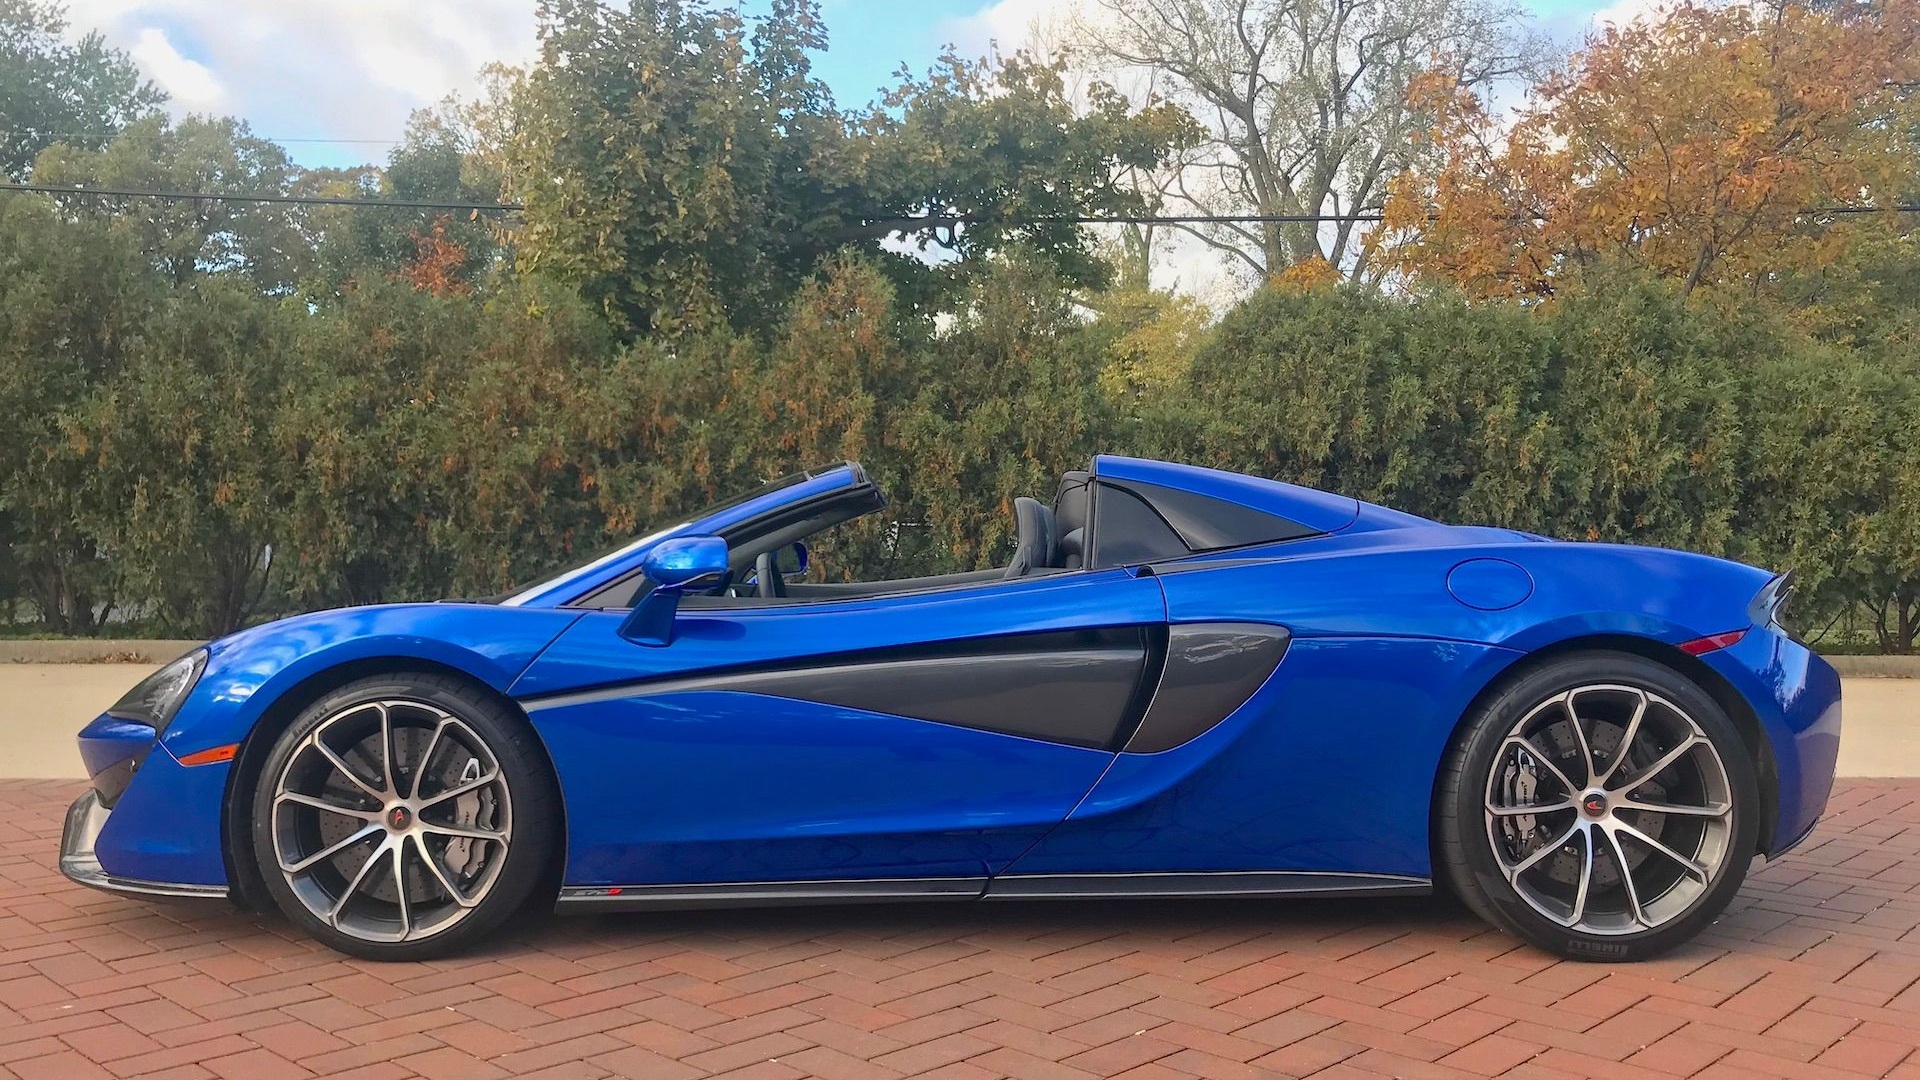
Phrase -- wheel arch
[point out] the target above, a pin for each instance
(1687, 667)
(236, 843)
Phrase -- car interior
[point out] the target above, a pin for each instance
(1049, 539)
(1137, 523)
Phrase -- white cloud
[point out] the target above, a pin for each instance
(1623, 13)
(1009, 24)
(314, 69)
(187, 81)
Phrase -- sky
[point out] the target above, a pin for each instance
(335, 80)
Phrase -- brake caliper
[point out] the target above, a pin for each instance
(461, 856)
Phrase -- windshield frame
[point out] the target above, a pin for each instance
(560, 589)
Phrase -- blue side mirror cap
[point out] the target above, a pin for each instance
(686, 562)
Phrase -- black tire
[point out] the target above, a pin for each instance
(1467, 831)
(527, 797)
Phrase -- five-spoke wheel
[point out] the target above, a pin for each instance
(390, 816)
(1602, 806)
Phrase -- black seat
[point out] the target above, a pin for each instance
(1035, 550)
(1070, 506)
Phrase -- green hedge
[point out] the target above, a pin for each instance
(1618, 414)
(198, 455)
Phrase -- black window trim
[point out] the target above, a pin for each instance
(1128, 486)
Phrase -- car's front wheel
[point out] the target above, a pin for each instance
(402, 817)
(1602, 807)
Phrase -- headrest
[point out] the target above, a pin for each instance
(1035, 525)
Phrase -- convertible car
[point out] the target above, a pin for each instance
(1184, 683)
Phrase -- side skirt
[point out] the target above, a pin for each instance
(589, 900)
(601, 899)
(1232, 883)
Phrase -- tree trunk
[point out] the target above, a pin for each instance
(1906, 604)
(1881, 632)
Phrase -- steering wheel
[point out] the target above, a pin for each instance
(767, 580)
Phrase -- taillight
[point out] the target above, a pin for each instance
(1712, 642)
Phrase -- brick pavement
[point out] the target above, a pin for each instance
(1815, 973)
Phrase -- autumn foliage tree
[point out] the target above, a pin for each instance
(1693, 143)
(437, 262)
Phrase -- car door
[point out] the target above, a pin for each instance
(881, 746)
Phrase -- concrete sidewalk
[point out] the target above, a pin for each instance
(43, 705)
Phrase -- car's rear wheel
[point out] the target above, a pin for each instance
(1602, 806)
(402, 817)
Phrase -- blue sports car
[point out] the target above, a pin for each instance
(1184, 683)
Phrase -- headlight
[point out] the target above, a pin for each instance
(159, 695)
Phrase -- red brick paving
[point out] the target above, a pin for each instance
(1813, 973)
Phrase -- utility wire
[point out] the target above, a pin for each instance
(937, 220)
(122, 134)
(303, 200)
(1123, 219)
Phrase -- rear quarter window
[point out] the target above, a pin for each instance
(1197, 523)
(1126, 531)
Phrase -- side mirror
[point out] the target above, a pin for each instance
(686, 562)
(674, 567)
(793, 560)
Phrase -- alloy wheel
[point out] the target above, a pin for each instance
(391, 820)
(1609, 810)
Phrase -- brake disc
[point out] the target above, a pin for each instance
(1604, 740)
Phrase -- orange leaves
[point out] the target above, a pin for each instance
(1691, 143)
(1308, 275)
(438, 263)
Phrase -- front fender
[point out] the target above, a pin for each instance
(247, 672)
(166, 827)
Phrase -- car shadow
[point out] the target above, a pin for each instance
(1086, 920)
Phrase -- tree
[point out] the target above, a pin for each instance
(189, 498)
(996, 156)
(1430, 408)
(1152, 336)
(951, 423)
(1833, 488)
(441, 440)
(685, 172)
(438, 161)
(53, 90)
(645, 147)
(1305, 103)
(77, 301)
(191, 238)
(1693, 144)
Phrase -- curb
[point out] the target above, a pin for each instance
(1876, 667)
(94, 651)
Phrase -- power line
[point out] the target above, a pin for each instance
(1126, 219)
(905, 221)
(109, 135)
(300, 200)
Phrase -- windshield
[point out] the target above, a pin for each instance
(576, 568)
